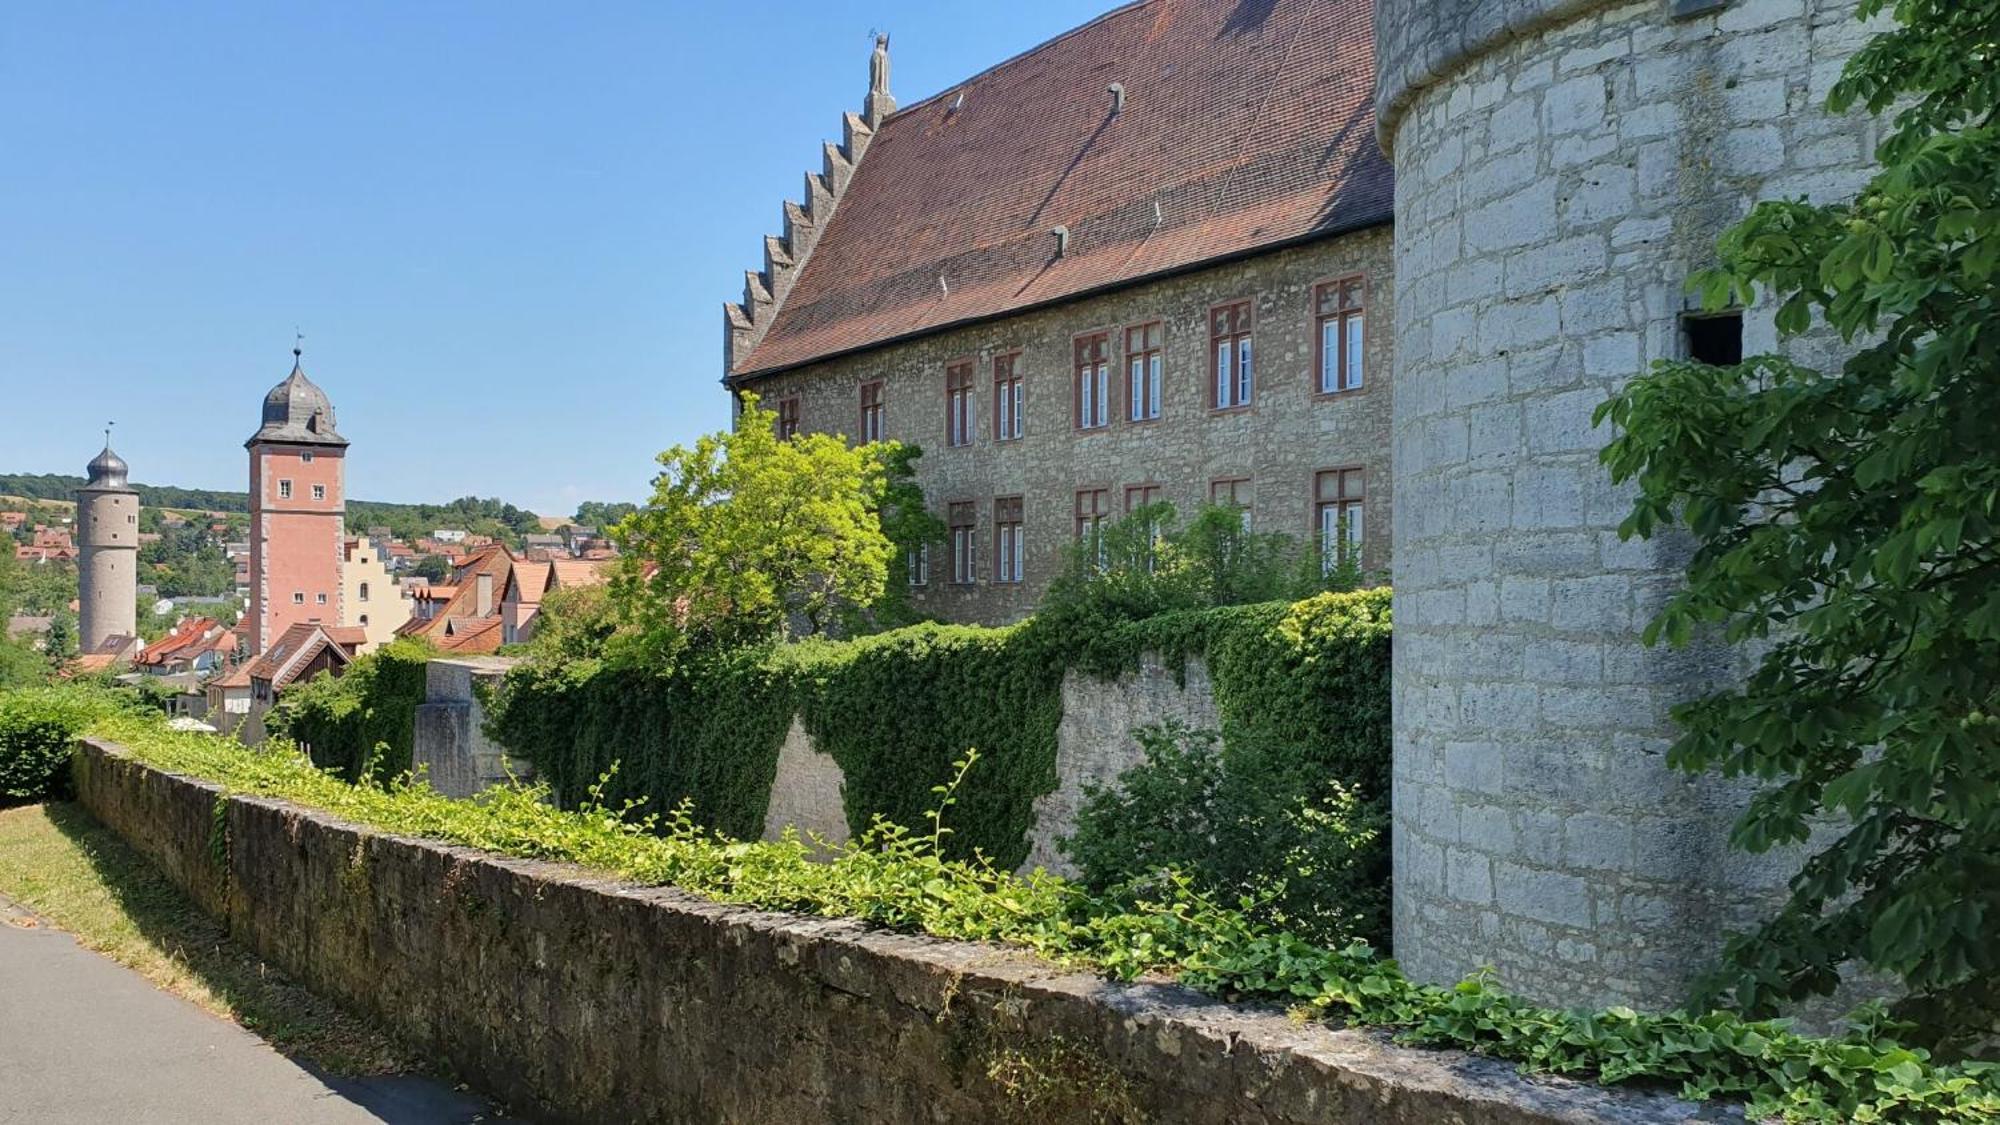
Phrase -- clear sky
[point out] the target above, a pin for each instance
(506, 229)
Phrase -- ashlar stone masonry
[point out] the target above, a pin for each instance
(1562, 166)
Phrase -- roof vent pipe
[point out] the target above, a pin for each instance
(1062, 241)
(1117, 92)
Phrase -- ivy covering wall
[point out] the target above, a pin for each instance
(897, 709)
(362, 721)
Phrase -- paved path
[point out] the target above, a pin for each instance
(86, 1040)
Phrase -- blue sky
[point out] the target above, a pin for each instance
(506, 229)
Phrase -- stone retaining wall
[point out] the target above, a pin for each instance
(581, 999)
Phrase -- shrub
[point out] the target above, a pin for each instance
(37, 728)
(1255, 824)
(900, 879)
(361, 722)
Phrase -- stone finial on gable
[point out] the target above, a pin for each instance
(881, 103)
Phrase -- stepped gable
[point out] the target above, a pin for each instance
(1240, 126)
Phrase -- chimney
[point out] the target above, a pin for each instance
(484, 606)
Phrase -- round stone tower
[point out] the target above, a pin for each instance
(1562, 166)
(107, 535)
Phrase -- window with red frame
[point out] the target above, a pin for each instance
(1009, 399)
(963, 519)
(1093, 507)
(1338, 496)
(1232, 492)
(958, 417)
(1337, 306)
(1093, 381)
(1143, 371)
(871, 411)
(1010, 548)
(788, 417)
(1231, 363)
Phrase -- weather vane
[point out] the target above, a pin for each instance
(298, 342)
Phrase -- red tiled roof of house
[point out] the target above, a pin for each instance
(570, 573)
(468, 634)
(462, 602)
(239, 677)
(187, 635)
(347, 636)
(293, 650)
(1249, 125)
(528, 582)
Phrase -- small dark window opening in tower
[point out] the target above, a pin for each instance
(1716, 340)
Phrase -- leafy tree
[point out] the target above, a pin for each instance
(597, 513)
(433, 568)
(749, 537)
(911, 527)
(1845, 524)
(575, 623)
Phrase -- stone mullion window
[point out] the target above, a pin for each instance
(1093, 507)
(1232, 366)
(958, 403)
(1338, 497)
(1144, 371)
(871, 411)
(1232, 492)
(1339, 314)
(964, 523)
(788, 417)
(1009, 546)
(1093, 381)
(1009, 398)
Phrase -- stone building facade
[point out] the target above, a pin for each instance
(1265, 456)
(1177, 172)
(1562, 166)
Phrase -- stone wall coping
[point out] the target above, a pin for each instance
(1405, 1084)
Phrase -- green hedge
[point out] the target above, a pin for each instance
(896, 710)
(363, 720)
(37, 726)
(896, 879)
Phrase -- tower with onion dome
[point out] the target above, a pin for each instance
(297, 510)
(107, 534)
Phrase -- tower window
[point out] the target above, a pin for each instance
(284, 490)
(364, 619)
(1716, 340)
(320, 598)
(319, 492)
(307, 457)
(298, 597)
(364, 592)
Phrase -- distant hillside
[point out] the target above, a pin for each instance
(476, 514)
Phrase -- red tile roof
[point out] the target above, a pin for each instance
(468, 634)
(1250, 123)
(463, 600)
(296, 648)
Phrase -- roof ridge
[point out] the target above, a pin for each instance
(1022, 54)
